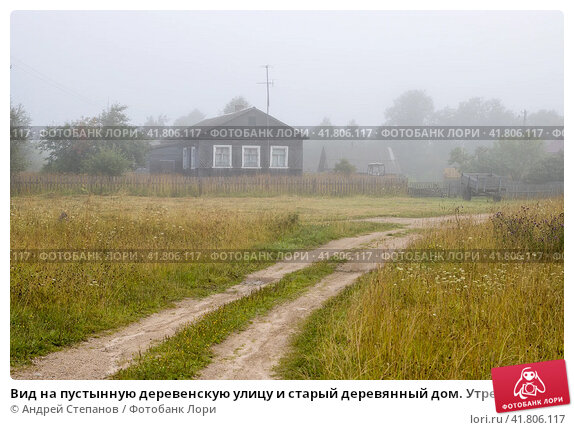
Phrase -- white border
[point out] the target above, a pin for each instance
(185, 158)
(192, 157)
(255, 414)
(286, 157)
(243, 148)
(230, 156)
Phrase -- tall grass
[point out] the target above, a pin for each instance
(535, 227)
(445, 320)
(57, 304)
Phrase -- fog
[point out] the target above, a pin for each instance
(341, 65)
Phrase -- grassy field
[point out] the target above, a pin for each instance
(445, 320)
(309, 209)
(53, 305)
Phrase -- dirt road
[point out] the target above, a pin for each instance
(252, 353)
(247, 355)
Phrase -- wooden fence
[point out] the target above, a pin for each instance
(518, 190)
(261, 185)
(513, 190)
(178, 186)
(433, 189)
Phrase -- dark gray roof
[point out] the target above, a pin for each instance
(224, 119)
(215, 122)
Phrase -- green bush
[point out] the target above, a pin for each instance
(107, 162)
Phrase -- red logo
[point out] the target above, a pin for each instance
(529, 386)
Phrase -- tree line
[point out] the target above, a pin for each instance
(521, 160)
(423, 160)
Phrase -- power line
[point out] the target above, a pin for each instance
(47, 80)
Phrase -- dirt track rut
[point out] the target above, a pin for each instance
(252, 353)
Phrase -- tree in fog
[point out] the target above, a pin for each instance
(234, 103)
(325, 122)
(476, 111)
(518, 159)
(544, 117)
(460, 158)
(345, 167)
(18, 147)
(190, 119)
(158, 121)
(550, 169)
(107, 157)
(413, 108)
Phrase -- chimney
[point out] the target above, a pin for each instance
(239, 107)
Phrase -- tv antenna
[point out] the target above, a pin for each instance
(267, 83)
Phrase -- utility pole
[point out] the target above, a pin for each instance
(524, 117)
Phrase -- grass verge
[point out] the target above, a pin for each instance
(445, 320)
(186, 353)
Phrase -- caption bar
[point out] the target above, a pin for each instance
(287, 256)
(154, 133)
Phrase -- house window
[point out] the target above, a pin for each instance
(251, 157)
(185, 158)
(222, 156)
(193, 163)
(279, 157)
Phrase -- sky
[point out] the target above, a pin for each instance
(340, 65)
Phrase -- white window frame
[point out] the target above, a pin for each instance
(192, 158)
(230, 156)
(243, 148)
(286, 157)
(186, 161)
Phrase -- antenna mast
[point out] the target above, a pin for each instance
(267, 83)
